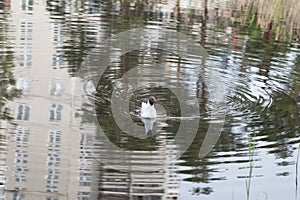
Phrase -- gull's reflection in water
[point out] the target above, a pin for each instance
(148, 123)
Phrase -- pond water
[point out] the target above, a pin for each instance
(228, 122)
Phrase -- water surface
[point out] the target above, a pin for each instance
(50, 141)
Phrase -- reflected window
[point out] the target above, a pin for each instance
(56, 87)
(83, 195)
(85, 174)
(22, 134)
(54, 190)
(23, 84)
(18, 196)
(53, 172)
(52, 186)
(3, 179)
(57, 61)
(85, 183)
(52, 177)
(26, 31)
(54, 155)
(86, 155)
(55, 136)
(21, 161)
(53, 147)
(52, 181)
(25, 58)
(21, 155)
(27, 5)
(87, 139)
(85, 178)
(55, 112)
(3, 167)
(53, 160)
(83, 198)
(21, 151)
(23, 112)
(22, 170)
(92, 7)
(20, 188)
(21, 179)
(52, 198)
(58, 33)
(85, 161)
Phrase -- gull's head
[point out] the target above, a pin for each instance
(152, 100)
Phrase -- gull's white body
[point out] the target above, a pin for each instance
(148, 110)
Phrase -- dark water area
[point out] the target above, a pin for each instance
(228, 122)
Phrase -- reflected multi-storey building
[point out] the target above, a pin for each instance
(44, 156)
(160, 182)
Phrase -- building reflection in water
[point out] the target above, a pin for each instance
(42, 157)
(155, 185)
